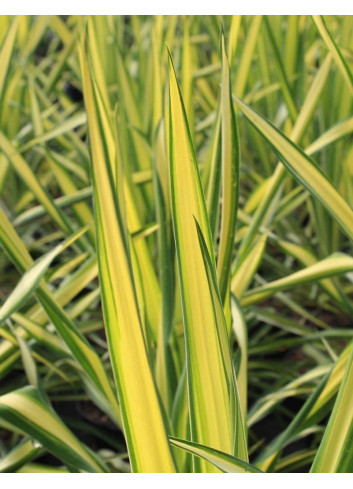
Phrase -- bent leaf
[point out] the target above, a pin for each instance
(333, 265)
(30, 280)
(25, 410)
(226, 463)
(303, 169)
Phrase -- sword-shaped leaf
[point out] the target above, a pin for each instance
(334, 49)
(5, 55)
(335, 453)
(230, 178)
(146, 437)
(304, 169)
(209, 371)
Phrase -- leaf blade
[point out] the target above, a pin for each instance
(141, 410)
(208, 386)
(303, 169)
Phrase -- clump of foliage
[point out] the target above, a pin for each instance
(176, 223)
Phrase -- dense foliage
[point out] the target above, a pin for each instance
(176, 233)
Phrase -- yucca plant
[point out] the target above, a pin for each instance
(176, 223)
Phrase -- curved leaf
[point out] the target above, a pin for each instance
(226, 463)
(26, 410)
(303, 169)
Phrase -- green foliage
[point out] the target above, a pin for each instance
(176, 261)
